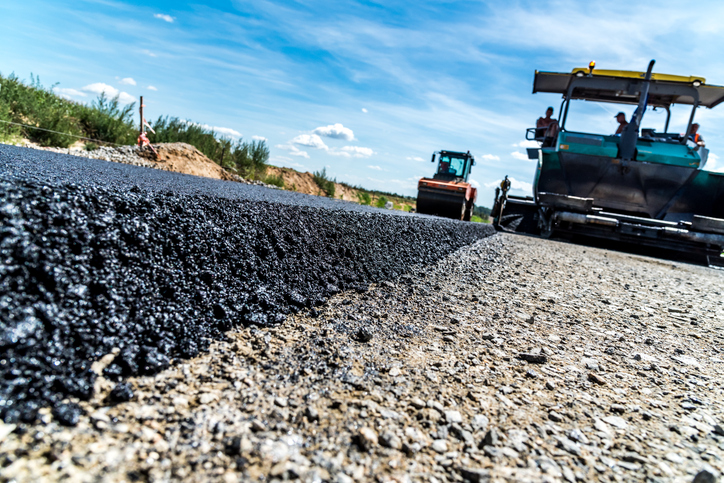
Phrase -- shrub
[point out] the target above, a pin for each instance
(324, 183)
(275, 180)
(106, 120)
(364, 198)
(381, 202)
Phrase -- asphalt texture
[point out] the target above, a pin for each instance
(99, 258)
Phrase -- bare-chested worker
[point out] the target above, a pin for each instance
(547, 127)
(621, 118)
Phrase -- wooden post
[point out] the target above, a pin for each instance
(141, 110)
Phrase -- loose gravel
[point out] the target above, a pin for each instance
(152, 276)
(627, 385)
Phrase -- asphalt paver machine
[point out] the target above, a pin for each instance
(448, 193)
(642, 186)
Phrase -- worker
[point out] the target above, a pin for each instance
(547, 128)
(695, 136)
(621, 118)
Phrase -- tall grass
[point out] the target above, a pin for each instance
(105, 119)
(324, 182)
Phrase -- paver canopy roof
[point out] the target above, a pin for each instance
(624, 86)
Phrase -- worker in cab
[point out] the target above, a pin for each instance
(622, 123)
(547, 128)
(695, 137)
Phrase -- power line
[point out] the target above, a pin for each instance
(58, 132)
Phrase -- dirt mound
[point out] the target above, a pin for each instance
(304, 183)
(184, 158)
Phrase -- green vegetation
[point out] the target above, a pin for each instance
(274, 180)
(324, 182)
(381, 202)
(364, 198)
(104, 119)
(35, 105)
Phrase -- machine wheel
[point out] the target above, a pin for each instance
(468, 213)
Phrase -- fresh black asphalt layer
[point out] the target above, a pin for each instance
(97, 256)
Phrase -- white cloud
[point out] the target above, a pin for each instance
(100, 88)
(151, 88)
(490, 157)
(712, 164)
(224, 130)
(514, 185)
(414, 158)
(352, 152)
(259, 138)
(364, 110)
(474, 183)
(164, 17)
(68, 93)
(358, 151)
(293, 150)
(375, 168)
(126, 98)
(148, 53)
(527, 144)
(335, 131)
(310, 140)
(520, 156)
(128, 81)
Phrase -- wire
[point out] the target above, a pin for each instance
(63, 133)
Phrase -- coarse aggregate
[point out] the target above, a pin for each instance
(513, 359)
(140, 267)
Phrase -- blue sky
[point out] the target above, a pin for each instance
(368, 90)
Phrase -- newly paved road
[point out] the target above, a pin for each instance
(99, 258)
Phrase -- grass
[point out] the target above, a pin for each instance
(106, 120)
(275, 180)
(381, 202)
(364, 198)
(324, 182)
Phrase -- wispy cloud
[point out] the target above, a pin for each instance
(414, 158)
(376, 168)
(490, 157)
(293, 150)
(335, 131)
(365, 110)
(526, 144)
(226, 131)
(68, 93)
(358, 151)
(164, 17)
(514, 184)
(151, 88)
(259, 138)
(520, 156)
(128, 81)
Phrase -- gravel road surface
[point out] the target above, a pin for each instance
(514, 359)
(508, 359)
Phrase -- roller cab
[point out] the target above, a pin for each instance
(448, 193)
